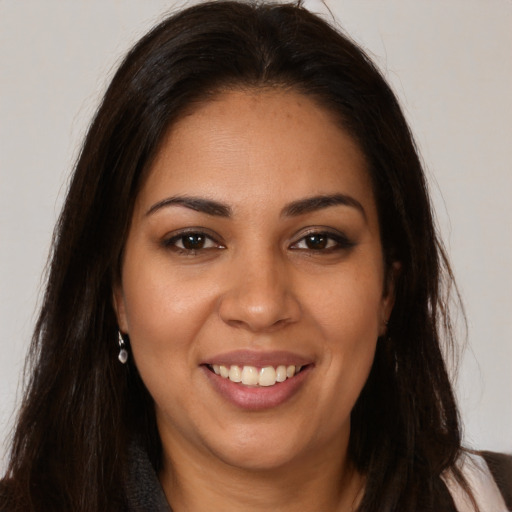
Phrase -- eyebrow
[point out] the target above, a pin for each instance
(311, 204)
(199, 204)
(294, 209)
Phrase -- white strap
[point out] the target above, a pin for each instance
(481, 482)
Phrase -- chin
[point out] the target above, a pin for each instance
(258, 451)
(258, 460)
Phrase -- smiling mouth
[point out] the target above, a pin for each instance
(253, 376)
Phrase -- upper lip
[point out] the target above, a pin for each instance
(258, 359)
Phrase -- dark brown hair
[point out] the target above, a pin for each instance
(82, 408)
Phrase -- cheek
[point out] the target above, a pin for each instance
(163, 314)
(348, 318)
(350, 313)
(163, 320)
(160, 303)
(351, 334)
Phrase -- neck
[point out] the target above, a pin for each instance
(321, 481)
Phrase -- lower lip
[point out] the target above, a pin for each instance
(257, 398)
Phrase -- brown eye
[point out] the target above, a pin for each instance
(323, 241)
(193, 241)
(316, 242)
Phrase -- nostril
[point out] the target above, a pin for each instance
(259, 305)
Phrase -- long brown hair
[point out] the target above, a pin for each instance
(82, 408)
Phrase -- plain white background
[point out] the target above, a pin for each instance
(450, 63)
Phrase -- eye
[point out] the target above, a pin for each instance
(322, 241)
(190, 242)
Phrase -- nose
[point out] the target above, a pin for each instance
(259, 296)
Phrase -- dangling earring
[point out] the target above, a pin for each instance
(123, 353)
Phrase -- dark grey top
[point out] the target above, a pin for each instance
(145, 494)
(143, 490)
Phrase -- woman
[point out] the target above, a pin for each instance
(246, 289)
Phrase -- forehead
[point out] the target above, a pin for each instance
(257, 146)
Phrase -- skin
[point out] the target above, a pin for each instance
(256, 284)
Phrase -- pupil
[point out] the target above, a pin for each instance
(316, 242)
(193, 242)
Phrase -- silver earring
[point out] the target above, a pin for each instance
(123, 353)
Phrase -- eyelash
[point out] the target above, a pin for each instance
(340, 240)
(334, 242)
(171, 243)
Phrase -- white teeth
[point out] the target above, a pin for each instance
(251, 376)
(235, 375)
(267, 376)
(281, 373)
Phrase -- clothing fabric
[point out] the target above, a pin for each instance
(488, 495)
(488, 474)
(143, 490)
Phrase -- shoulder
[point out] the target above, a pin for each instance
(142, 488)
(489, 475)
(500, 466)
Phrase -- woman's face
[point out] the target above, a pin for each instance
(254, 251)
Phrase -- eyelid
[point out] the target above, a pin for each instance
(170, 239)
(341, 239)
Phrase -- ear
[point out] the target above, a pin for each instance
(119, 303)
(388, 295)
